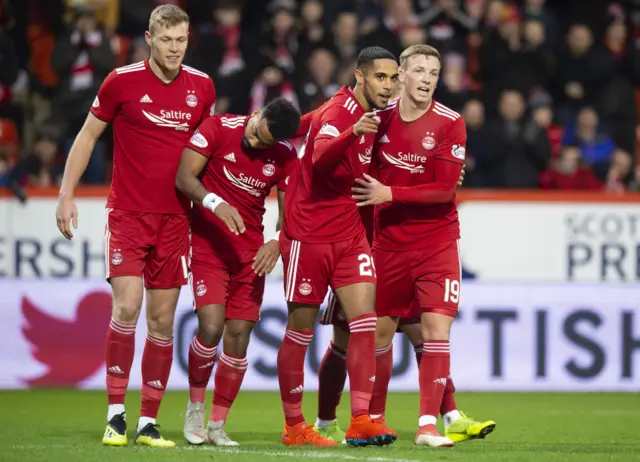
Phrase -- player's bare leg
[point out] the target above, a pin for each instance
(434, 370)
(157, 359)
(358, 303)
(385, 331)
(228, 378)
(127, 303)
(332, 375)
(291, 356)
(202, 356)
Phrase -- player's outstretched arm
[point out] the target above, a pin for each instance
(77, 161)
(191, 165)
(331, 144)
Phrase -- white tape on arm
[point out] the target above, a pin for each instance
(211, 201)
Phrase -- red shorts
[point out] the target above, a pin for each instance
(154, 246)
(310, 269)
(227, 279)
(429, 277)
(333, 315)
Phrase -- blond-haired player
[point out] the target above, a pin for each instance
(154, 105)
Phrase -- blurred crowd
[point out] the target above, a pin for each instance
(549, 89)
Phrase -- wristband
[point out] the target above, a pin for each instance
(211, 201)
(275, 237)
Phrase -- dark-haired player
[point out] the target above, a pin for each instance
(416, 239)
(324, 245)
(228, 170)
(154, 105)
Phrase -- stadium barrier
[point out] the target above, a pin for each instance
(516, 337)
(510, 236)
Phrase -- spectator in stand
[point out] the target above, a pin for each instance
(9, 151)
(228, 54)
(312, 30)
(8, 74)
(574, 79)
(595, 145)
(44, 165)
(319, 84)
(517, 153)
(138, 51)
(345, 45)
(452, 90)
(447, 24)
(278, 66)
(509, 61)
(569, 172)
(619, 171)
(82, 58)
(473, 114)
(541, 106)
(537, 10)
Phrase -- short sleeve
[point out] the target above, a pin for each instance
(209, 102)
(107, 103)
(453, 144)
(203, 139)
(333, 121)
(290, 169)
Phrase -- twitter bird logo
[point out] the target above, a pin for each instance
(72, 350)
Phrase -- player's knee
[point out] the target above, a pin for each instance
(435, 332)
(236, 342)
(210, 331)
(126, 311)
(160, 323)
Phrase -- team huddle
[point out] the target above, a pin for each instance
(366, 213)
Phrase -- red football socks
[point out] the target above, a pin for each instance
(434, 370)
(120, 349)
(157, 358)
(384, 367)
(201, 360)
(361, 362)
(291, 373)
(227, 382)
(332, 374)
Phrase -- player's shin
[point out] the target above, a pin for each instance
(332, 375)
(361, 362)
(291, 357)
(384, 367)
(227, 382)
(202, 358)
(157, 358)
(448, 408)
(120, 351)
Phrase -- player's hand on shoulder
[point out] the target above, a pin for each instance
(231, 217)
(66, 215)
(368, 123)
(266, 258)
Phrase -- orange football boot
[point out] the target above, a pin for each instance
(366, 432)
(304, 435)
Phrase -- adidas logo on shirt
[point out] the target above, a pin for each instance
(231, 157)
(384, 139)
(146, 99)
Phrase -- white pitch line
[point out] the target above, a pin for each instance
(298, 454)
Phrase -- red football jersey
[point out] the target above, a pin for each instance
(243, 177)
(409, 154)
(152, 121)
(319, 207)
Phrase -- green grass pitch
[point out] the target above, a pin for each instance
(67, 425)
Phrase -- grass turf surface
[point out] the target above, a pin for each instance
(67, 425)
